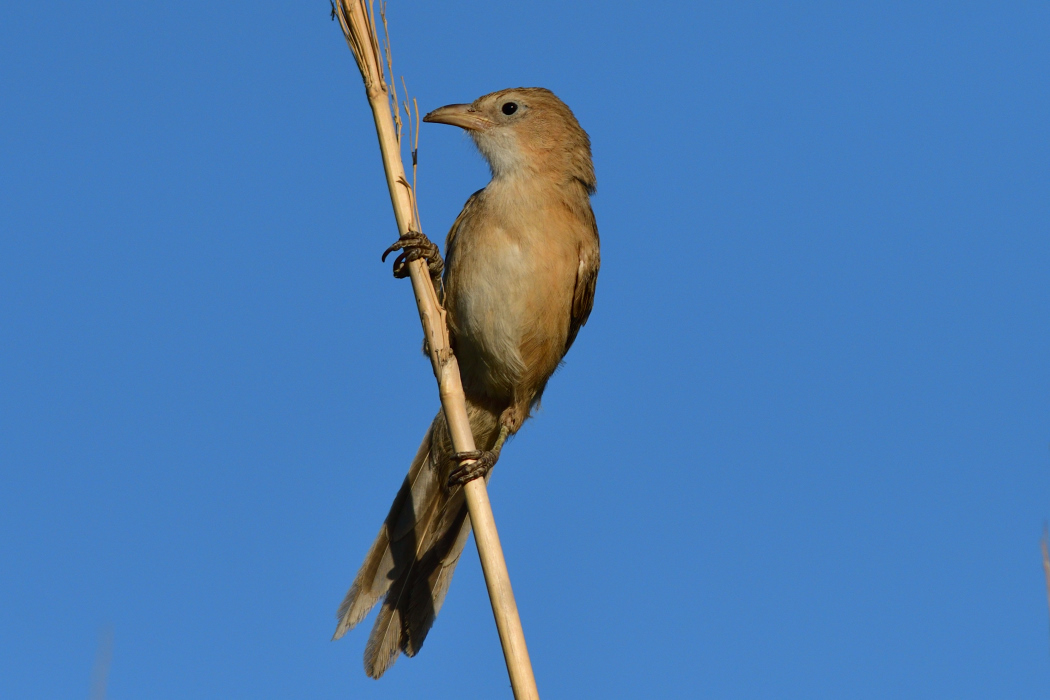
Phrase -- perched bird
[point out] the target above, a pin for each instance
(519, 275)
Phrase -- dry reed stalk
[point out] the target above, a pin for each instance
(359, 28)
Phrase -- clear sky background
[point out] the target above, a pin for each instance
(801, 449)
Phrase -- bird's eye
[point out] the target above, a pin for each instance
(510, 108)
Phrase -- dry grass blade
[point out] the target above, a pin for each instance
(359, 30)
(375, 61)
(392, 85)
(415, 160)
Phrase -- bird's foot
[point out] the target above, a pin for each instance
(414, 246)
(480, 463)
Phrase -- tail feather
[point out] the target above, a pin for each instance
(384, 644)
(415, 554)
(428, 593)
(374, 578)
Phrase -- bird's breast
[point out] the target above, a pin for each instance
(511, 281)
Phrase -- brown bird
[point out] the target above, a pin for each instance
(519, 275)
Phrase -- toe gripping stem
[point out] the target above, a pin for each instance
(414, 245)
(479, 464)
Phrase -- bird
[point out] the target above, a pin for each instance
(517, 283)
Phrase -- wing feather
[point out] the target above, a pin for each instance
(586, 280)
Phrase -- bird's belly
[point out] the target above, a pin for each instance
(504, 298)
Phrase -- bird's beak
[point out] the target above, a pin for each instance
(459, 115)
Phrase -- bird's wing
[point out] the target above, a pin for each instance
(469, 209)
(586, 278)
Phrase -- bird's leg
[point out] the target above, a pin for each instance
(413, 246)
(480, 463)
(514, 415)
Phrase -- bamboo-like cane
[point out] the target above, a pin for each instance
(359, 27)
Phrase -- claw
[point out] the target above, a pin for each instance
(416, 246)
(480, 464)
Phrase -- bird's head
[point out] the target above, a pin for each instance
(525, 132)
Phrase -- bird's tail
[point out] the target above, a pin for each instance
(415, 554)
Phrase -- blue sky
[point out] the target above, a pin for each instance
(800, 450)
